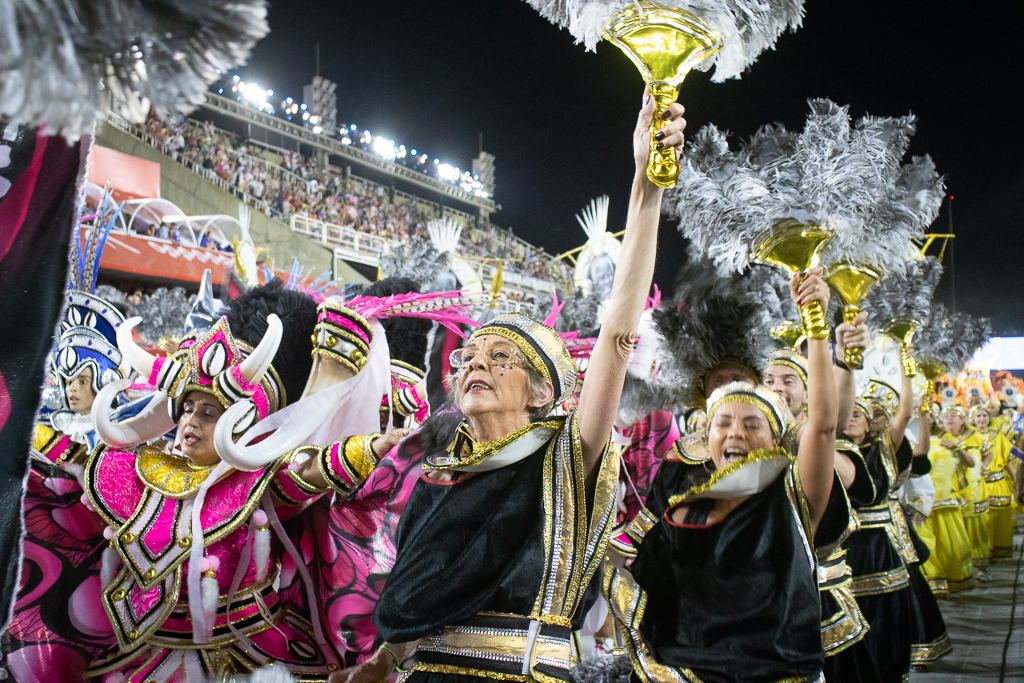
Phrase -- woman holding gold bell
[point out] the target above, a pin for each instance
(998, 486)
(948, 568)
(501, 539)
(724, 586)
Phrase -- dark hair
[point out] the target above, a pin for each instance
(247, 318)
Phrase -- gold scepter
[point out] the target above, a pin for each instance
(902, 330)
(851, 283)
(796, 247)
(790, 333)
(932, 369)
(664, 44)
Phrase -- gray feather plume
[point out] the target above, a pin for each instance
(747, 27)
(833, 174)
(58, 58)
(163, 314)
(769, 288)
(711, 319)
(904, 296)
(417, 260)
(578, 314)
(952, 339)
(602, 668)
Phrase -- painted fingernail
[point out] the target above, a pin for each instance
(660, 145)
(659, 135)
(647, 98)
(667, 114)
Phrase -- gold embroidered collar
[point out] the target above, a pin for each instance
(745, 477)
(466, 454)
(170, 475)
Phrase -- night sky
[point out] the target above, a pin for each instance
(435, 74)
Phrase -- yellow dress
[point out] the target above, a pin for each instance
(999, 490)
(972, 489)
(948, 568)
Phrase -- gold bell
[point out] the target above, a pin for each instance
(796, 247)
(664, 43)
(902, 330)
(852, 283)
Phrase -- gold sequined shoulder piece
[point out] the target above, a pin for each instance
(169, 475)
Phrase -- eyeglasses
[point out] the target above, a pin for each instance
(498, 355)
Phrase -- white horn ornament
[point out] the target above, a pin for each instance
(153, 422)
(287, 436)
(140, 360)
(257, 362)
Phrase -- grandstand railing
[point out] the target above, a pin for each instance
(348, 243)
(355, 245)
(246, 113)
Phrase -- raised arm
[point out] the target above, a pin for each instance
(851, 335)
(898, 427)
(815, 455)
(599, 400)
(924, 430)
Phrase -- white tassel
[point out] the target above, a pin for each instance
(111, 560)
(261, 544)
(114, 677)
(88, 505)
(211, 590)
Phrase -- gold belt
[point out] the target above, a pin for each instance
(995, 476)
(873, 517)
(504, 646)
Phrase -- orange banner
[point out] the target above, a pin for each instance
(129, 177)
(158, 258)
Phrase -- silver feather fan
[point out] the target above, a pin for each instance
(60, 58)
(952, 339)
(578, 313)
(904, 296)
(769, 288)
(163, 313)
(832, 174)
(747, 27)
(711, 319)
(417, 260)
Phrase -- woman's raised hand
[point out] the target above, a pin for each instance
(669, 136)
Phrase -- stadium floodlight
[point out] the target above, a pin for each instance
(302, 106)
(254, 93)
(317, 129)
(384, 148)
(236, 78)
(270, 92)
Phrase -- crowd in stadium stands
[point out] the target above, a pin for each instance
(299, 186)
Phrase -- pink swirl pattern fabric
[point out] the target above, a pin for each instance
(59, 624)
(652, 438)
(349, 543)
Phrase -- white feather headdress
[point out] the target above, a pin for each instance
(56, 56)
(444, 233)
(594, 218)
(833, 174)
(747, 27)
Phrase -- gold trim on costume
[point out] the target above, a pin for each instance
(759, 455)
(168, 474)
(880, 582)
(929, 652)
(466, 451)
(847, 626)
(944, 587)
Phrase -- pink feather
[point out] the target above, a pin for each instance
(556, 308)
(445, 308)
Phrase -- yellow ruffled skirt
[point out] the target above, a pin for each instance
(949, 567)
(979, 524)
(1001, 517)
